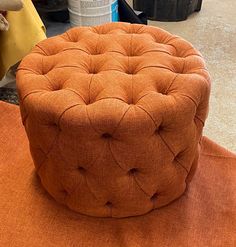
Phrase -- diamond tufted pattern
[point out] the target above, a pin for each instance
(114, 115)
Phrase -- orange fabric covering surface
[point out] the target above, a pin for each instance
(114, 115)
(204, 216)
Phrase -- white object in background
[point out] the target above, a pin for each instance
(92, 12)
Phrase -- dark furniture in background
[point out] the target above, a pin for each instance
(55, 10)
(127, 14)
(167, 10)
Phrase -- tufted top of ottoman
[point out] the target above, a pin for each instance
(114, 115)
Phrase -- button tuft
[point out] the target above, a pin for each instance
(154, 197)
(133, 171)
(108, 204)
(81, 169)
(106, 136)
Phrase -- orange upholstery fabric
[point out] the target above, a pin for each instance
(204, 216)
(114, 115)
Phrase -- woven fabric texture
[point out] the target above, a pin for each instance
(114, 115)
(204, 216)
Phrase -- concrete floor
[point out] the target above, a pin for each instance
(213, 32)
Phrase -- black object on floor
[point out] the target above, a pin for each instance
(55, 10)
(50, 5)
(167, 10)
(59, 16)
(127, 14)
(9, 95)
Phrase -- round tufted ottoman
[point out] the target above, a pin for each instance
(114, 115)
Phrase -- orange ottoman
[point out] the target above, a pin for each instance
(114, 115)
